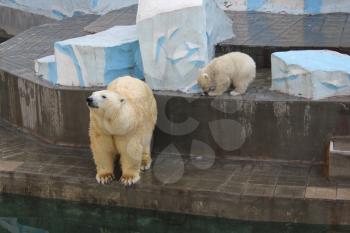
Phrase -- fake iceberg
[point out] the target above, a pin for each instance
(177, 38)
(312, 74)
(46, 68)
(96, 60)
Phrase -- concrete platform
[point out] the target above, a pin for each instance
(260, 34)
(250, 190)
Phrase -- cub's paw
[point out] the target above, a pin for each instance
(129, 180)
(235, 93)
(105, 178)
(213, 94)
(146, 164)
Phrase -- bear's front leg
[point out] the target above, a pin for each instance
(223, 83)
(104, 154)
(130, 159)
(215, 93)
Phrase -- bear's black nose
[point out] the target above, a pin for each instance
(89, 100)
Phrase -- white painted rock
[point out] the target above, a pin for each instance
(46, 68)
(96, 60)
(177, 38)
(312, 74)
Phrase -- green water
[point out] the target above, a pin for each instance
(24, 214)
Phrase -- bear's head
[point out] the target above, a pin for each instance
(114, 113)
(205, 82)
(100, 101)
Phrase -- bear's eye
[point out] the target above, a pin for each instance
(104, 97)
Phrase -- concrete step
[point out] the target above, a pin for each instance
(339, 158)
(233, 189)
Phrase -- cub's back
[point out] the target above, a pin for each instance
(231, 62)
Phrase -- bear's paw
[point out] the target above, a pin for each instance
(105, 178)
(129, 180)
(146, 164)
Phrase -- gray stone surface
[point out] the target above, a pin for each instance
(18, 54)
(15, 21)
(247, 190)
(282, 30)
(124, 16)
(260, 34)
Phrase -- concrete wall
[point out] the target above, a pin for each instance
(14, 21)
(287, 6)
(60, 9)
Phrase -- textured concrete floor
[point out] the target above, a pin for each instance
(249, 190)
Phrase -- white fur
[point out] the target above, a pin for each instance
(233, 69)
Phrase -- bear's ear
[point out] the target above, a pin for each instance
(122, 100)
(205, 75)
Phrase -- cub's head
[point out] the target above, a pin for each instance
(205, 82)
(100, 101)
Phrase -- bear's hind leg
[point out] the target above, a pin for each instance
(130, 160)
(242, 83)
(240, 89)
(104, 154)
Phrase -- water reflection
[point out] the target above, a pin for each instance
(13, 226)
(34, 215)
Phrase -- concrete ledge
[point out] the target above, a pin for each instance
(45, 112)
(49, 113)
(256, 191)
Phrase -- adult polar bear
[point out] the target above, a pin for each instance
(122, 120)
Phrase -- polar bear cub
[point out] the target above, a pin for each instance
(122, 120)
(236, 68)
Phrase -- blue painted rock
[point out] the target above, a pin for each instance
(98, 59)
(177, 38)
(312, 74)
(46, 69)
